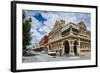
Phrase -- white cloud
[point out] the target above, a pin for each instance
(51, 19)
(89, 28)
(36, 36)
(38, 27)
(35, 23)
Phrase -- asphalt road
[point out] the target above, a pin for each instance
(40, 57)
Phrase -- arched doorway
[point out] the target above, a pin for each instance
(75, 47)
(66, 47)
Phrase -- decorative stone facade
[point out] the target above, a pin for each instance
(70, 39)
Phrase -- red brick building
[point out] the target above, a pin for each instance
(44, 41)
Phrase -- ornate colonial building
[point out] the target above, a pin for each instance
(71, 39)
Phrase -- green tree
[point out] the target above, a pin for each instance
(26, 30)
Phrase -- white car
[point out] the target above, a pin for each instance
(52, 53)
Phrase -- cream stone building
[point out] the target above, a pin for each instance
(70, 39)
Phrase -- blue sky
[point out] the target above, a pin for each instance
(43, 21)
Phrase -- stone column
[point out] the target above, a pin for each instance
(62, 47)
(71, 49)
(78, 47)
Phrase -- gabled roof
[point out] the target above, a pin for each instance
(69, 25)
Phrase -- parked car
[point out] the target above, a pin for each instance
(52, 53)
(24, 51)
(43, 52)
